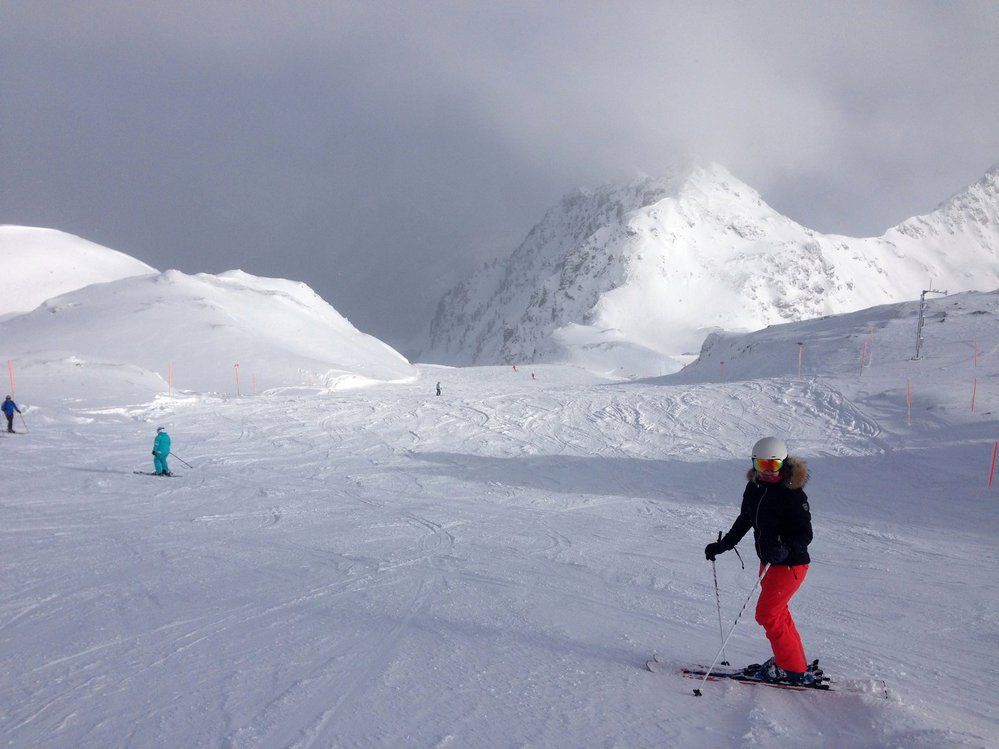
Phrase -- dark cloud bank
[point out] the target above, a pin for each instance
(380, 151)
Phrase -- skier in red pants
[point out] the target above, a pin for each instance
(776, 508)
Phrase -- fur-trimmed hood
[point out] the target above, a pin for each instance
(793, 474)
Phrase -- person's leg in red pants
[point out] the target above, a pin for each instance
(772, 613)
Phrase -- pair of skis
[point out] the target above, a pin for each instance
(817, 681)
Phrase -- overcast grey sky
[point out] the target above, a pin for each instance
(381, 150)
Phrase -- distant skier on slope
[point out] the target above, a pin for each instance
(9, 407)
(438, 388)
(776, 508)
(161, 449)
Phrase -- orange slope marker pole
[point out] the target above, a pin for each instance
(10, 372)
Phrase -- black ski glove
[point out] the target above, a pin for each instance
(713, 549)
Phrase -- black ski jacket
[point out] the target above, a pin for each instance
(779, 516)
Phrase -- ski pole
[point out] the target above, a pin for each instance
(721, 631)
(172, 455)
(697, 690)
(23, 421)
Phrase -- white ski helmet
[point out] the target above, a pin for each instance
(770, 448)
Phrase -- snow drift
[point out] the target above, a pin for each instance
(122, 339)
(43, 263)
(634, 277)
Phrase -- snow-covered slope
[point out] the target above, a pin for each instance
(126, 335)
(867, 357)
(877, 345)
(39, 264)
(493, 567)
(631, 279)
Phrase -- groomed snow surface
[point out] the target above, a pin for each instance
(381, 567)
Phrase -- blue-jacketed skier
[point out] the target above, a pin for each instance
(9, 407)
(161, 449)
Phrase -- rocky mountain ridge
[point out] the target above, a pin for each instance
(631, 278)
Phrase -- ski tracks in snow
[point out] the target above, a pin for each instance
(305, 713)
(496, 559)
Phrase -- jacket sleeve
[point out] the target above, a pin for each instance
(739, 528)
(799, 523)
(784, 528)
(771, 547)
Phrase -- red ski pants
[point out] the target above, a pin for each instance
(772, 613)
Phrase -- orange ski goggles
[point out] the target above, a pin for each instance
(767, 465)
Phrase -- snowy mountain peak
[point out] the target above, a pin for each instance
(688, 182)
(46, 262)
(974, 211)
(630, 278)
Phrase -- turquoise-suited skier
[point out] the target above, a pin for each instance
(161, 448)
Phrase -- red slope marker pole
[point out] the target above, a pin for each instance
(995, 454)
(236, 368)
(974, 390)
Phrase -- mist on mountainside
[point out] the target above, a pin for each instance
(629, 279)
